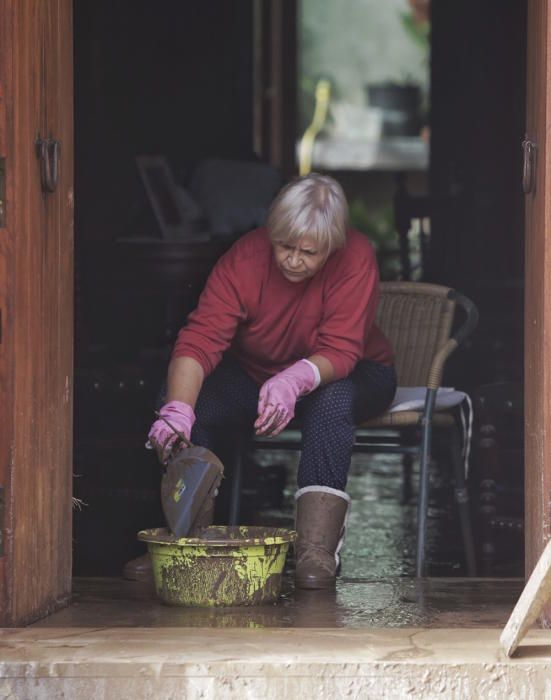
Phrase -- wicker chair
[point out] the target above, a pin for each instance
(417, 318)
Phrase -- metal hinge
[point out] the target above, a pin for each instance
(47, 151)
(528, 165)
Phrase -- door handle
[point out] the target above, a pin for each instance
(47, 151)
(528, 166)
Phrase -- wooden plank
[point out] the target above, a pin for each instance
(534, 597)
(538, 291)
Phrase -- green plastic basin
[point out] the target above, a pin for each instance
(229, 566)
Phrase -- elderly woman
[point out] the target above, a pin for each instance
(286, 326)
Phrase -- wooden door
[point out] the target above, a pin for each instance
(36, 288)
(538, 287)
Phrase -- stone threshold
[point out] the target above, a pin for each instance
(269, 664)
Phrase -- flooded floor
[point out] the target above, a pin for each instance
(376, 588)
(381, 537)
(355, 604)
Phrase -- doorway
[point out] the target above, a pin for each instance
(125, 113)
(134, 287)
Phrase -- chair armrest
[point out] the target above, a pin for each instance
(471, 312)
(463, 332)
(437, 367)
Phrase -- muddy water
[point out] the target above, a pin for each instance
(376, 588)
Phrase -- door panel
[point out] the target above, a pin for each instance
(538, 290)
(37, 331)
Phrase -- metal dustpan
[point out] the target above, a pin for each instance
(189, 484)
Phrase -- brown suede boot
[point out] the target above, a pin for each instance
(320, 524)
(139, 569)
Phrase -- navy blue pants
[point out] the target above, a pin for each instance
(228, 403)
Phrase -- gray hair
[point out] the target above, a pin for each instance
(313, 205)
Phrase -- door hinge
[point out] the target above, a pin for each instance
(47, 151)
(528, 165)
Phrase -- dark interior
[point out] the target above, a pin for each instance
(177, 80)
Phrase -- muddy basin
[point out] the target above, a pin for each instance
(239, 565)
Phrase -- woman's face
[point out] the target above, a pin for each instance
(299, 261)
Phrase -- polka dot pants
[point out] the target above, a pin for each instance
(228, 403)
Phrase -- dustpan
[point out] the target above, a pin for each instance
(191, 478)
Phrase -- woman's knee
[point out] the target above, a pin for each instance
(228, 397)
(331, 404)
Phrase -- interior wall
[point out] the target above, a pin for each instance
(478, 78)
(170, 78)
(167, 78)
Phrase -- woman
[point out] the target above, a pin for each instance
(285, 325)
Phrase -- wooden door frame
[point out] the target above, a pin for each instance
(36, 291)
(6, 285)
(537, 311)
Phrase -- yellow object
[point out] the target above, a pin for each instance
(225, 566)
(323, 92)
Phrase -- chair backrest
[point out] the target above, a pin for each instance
(417, 319)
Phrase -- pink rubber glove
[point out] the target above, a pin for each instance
(161, 437)
(278, 396)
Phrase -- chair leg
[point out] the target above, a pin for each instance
(235, 499)
(423, 497)
(462, 500)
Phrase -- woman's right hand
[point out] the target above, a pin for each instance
(161, 437)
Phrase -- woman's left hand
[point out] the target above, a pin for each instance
(278, 396)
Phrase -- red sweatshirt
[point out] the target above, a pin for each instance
(269, 323)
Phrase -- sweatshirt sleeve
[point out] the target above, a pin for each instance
(350, 308)
(211, 327)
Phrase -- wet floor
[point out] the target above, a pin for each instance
(376, 588)
(355, 603)
(381, 537)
